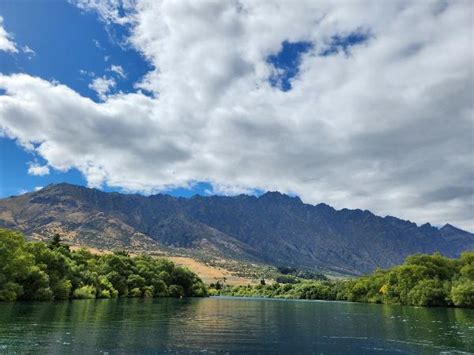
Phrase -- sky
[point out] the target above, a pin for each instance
(357, 104)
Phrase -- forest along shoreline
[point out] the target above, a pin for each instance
(51, 271)
(422, 280)
(42, 271)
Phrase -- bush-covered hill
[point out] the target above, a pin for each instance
(40, 271)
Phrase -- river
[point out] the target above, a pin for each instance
(225, 324)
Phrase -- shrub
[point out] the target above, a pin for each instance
(62, 289)
(176, 291)
(84, 292)
(135, 292)
(148, 291)
(462, 294)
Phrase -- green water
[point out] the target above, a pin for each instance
(231, 325)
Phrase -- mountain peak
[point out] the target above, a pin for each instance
(450, 228)
(278, 196)
(61, 185)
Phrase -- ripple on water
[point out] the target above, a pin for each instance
(226, 324)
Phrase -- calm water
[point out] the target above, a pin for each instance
(231, 325)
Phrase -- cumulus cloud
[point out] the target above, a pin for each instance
(102, 86)
(6, 42)
(386, 124)
(37, 169)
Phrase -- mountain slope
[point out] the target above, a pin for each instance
(273, 228)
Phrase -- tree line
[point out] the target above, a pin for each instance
(422, 280)
(51, 271)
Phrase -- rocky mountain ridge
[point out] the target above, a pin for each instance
(274, 228)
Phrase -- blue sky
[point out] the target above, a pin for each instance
(96, 48)
(331, 101)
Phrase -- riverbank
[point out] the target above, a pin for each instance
(51, 271)
(422, 280)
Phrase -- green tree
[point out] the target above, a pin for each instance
(428, 293)
(462, 294)
(15, 264)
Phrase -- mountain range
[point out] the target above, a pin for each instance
(273, 228)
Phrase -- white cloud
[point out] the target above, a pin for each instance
(97, 44)
(108, 10)
(102, 86)
(387, 128)
(6, 42)
(84, 72)
(117, 69)
(25, 191)
(28, 51)
(38, 170)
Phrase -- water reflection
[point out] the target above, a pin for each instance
(224, 324)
